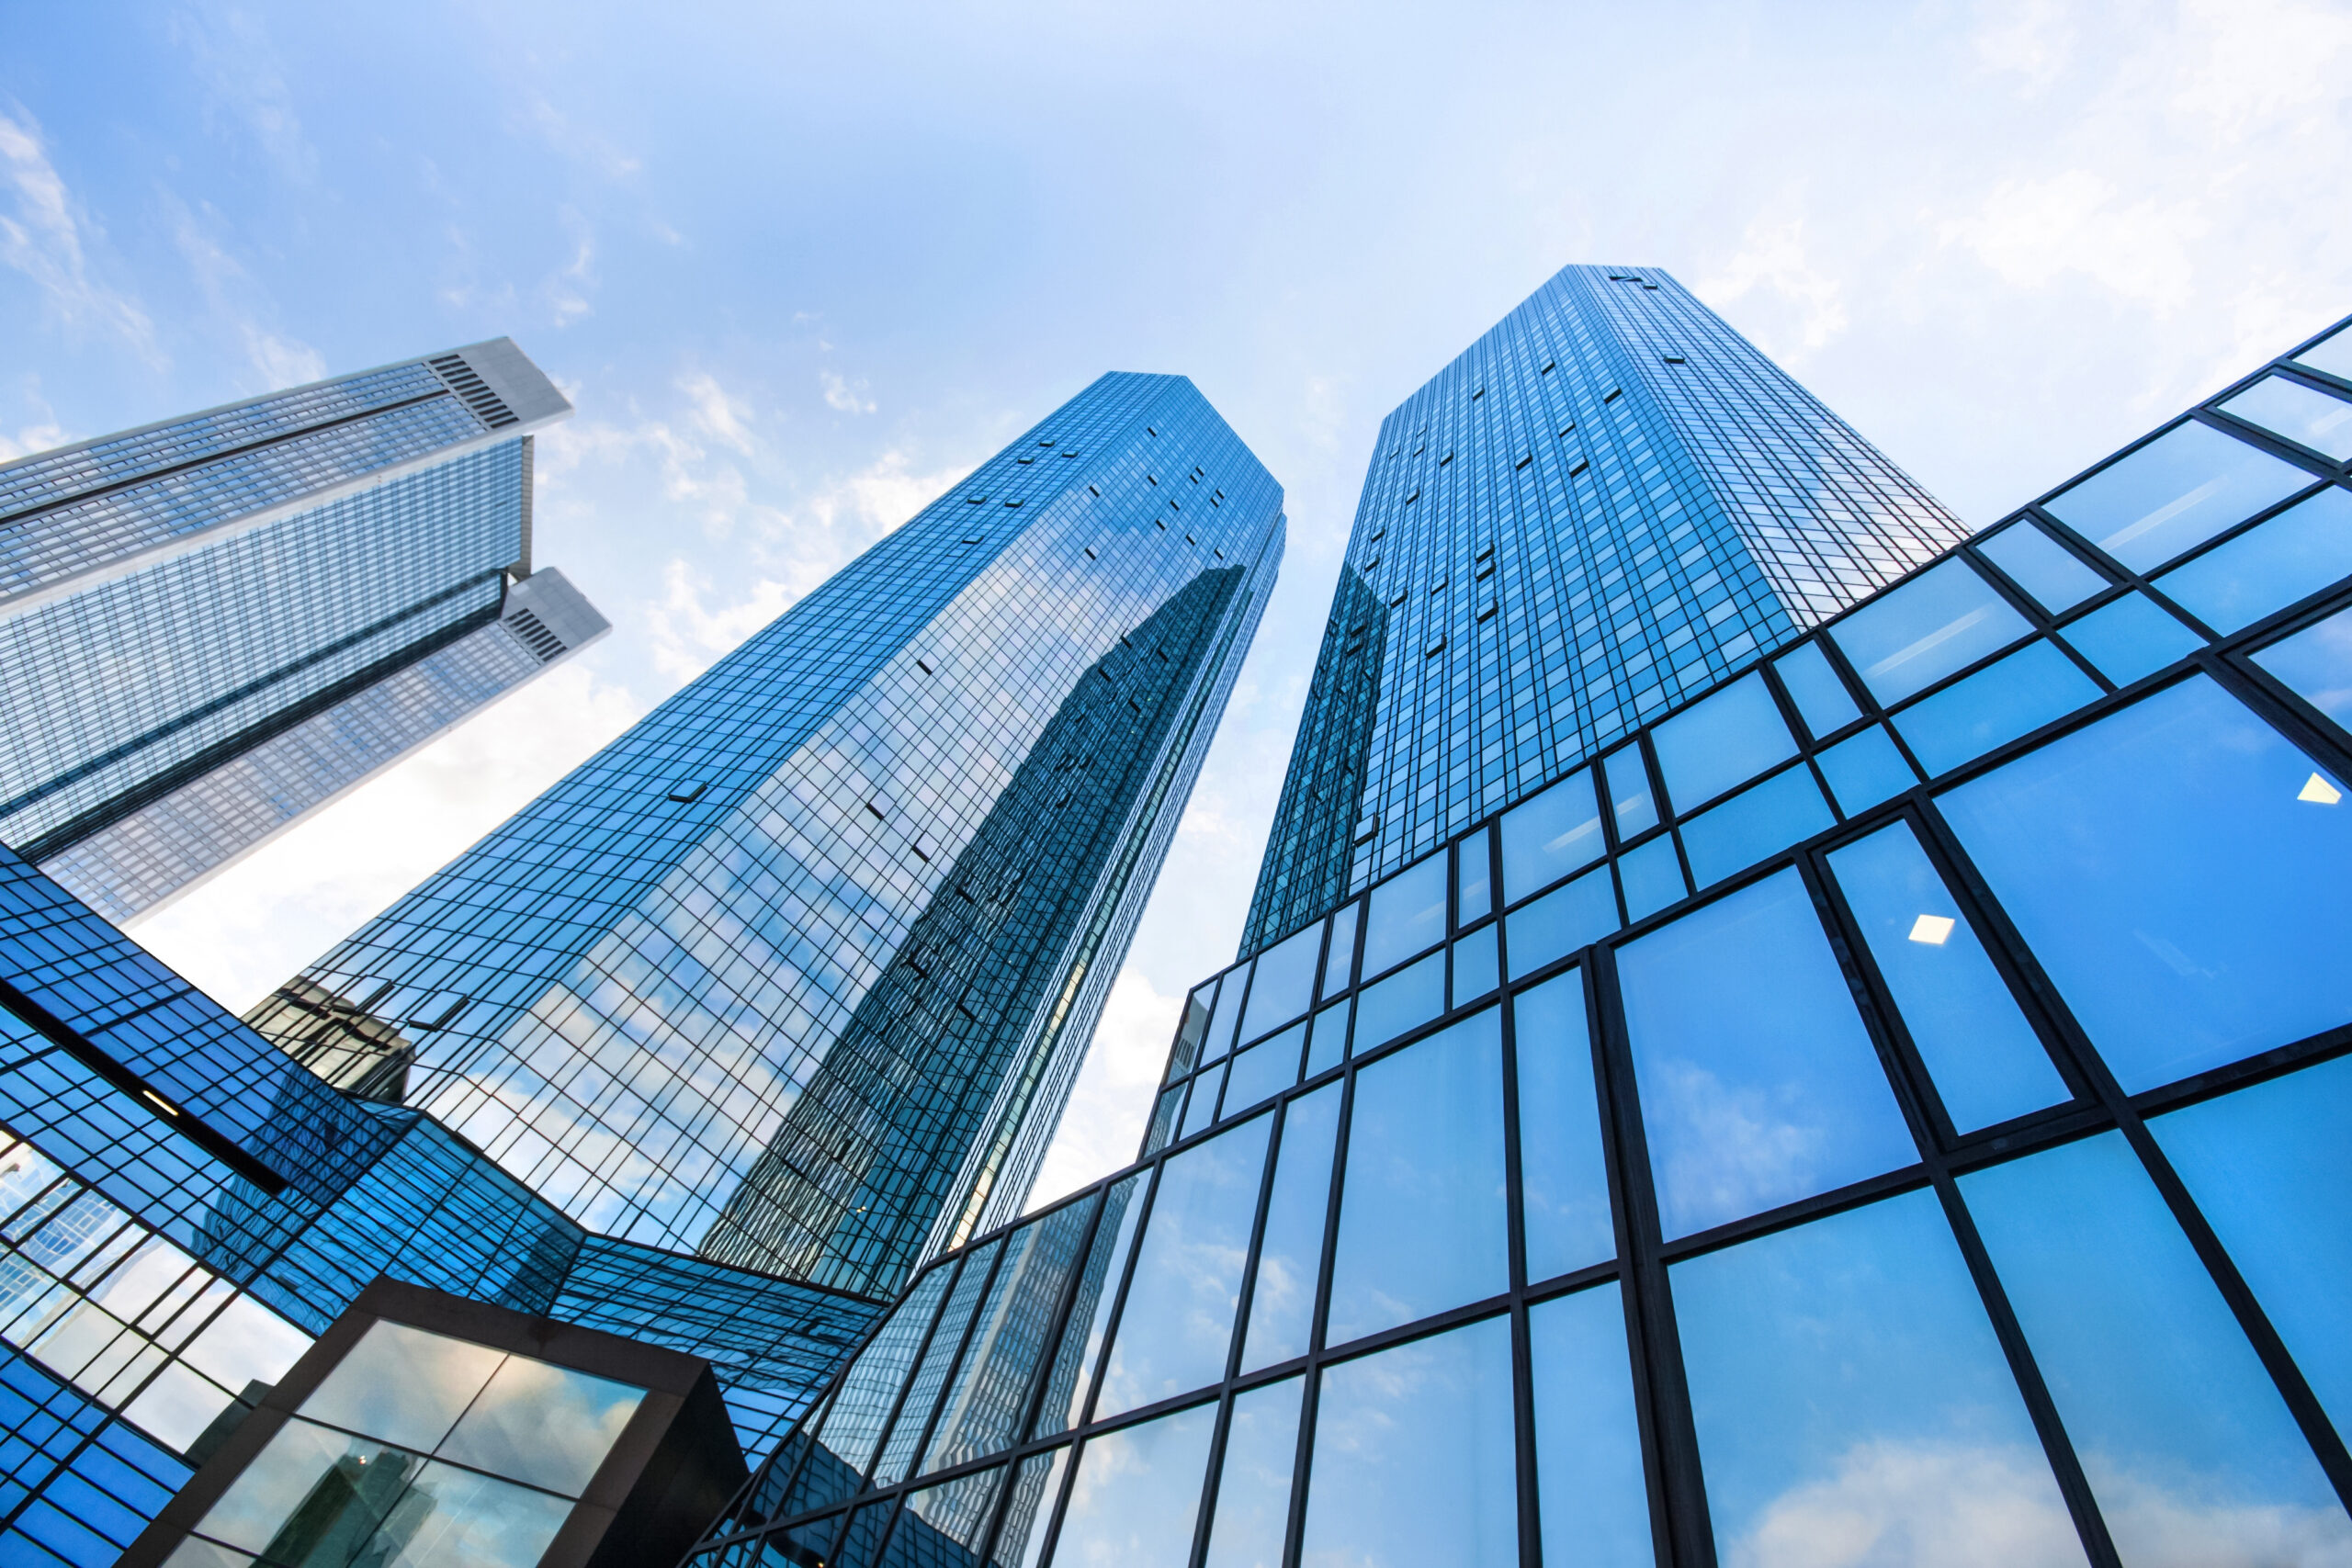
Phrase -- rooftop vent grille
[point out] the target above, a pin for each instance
(460, 378)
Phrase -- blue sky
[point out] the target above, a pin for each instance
(800, 268)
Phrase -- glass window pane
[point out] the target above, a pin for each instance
(1473, 876)
(1412, 996)
(1163, 1119)
(1264, 1071)
(1652, 876)
(1594, 1506)
(1754, 824)
(1475, 970)
(403, 1385)
(1758, 1084)
(2332, 353)
(1191, 1032)
(1137, 1499)
(1821, 697)
(1337, 970)
(1201, 1110)
(1089, 1314)
(1021, 1539)
(2271, 1168)
(1290, 1259)
(2131, 639)
(1987, 1062)
(1864, 771)
(1177, 1323)
(991, 1392)
(2179, 490)
(1563, 1181)
(544, 1425)
(454, 1517)
(941, 1526)
(2316, 665)
(1253, 1484)
(2016, 697)
(1848, 1388)
(1408, 915)
(355, 1482)
(1328, 1042)
(2182, 1433)
(862, 1542)
(1626, 782)
(1943, 619)
(930, 1373)
(1563, 920)
(1286, 981)
(1422, 1225)
(1228, 1013)
(1721, 742)
(853, 1427)
(2054, 575)
(2301, 415)
(1547, 837)
(1415, 1461)
(2177, 876)
(2303, 549)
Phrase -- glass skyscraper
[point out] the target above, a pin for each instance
(211, 625)
(1890, 1105)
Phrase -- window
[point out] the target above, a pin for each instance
(2178, 491)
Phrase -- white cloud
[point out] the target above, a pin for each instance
(690, 634)
(1103, 1125)
(587, 147)
(243, 81)
(840, 394)
(2033, 231)
(279, 361)
(1771, 257)
(2031, 38)
(721, 417)
(567, 288)
(45, 240)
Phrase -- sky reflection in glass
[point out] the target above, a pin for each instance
(1942, 620)
(2293, 556)
(1652, 876)
(2316, 665)
(1864, 770)
(1562, 920)
(2299, 414)
(2178, 491)
(1285, 984)
(1550, 836)
(1137, 1497)
(1721, 742)
(2132, 639)
(1591, 1499)
(2015, 696)
(1090, 1314)
(1253, 1484)
(2054, 575)
(1821, 697)
(1563, 1178)
(1408, 915)
(1290, 1259)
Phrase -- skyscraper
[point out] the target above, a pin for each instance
(211, 625)
(798, 972)
(1888, 1106)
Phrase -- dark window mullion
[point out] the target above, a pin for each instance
(1215, 1473)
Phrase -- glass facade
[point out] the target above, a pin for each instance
(1891, 1107)
(799, 971)
(210, 625)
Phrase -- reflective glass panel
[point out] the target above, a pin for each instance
(2302, 414)
(1285, 982)
(1408, 915)
(1985, 1060)
(930, 1373)
(1415, 1462)
(1191, 1032)
(1339, 969)
(2183, 1435)
(1327, 1043)
(1253, 1484)
(1755, 823)
(989, 1393)
(1422, 1225)
(1412, 996)
(1848, 1390)
(403, 1385)
(1089, 1314)
(2178, 491)
(1476, 966)
(1758, 1084)
(862, 1542)
(1178, 1322)
(1263, 1070)
(2271, 1168)
(1594, 1507)
(545, 1425)
(1626, 784)
(1821, 697)
(1721, 742)
(1227, 1014)
(1943, 619)
(2332, 353)
(2293, 556)
(2316, 665)
(1562, 920)
(1290, 1259)
(456, 1516)
(1652, 877)
(2016, 697)
(2054, 575)
(1136, 1498)
(1547, 837)
(1474, 881)
(2131, 639)
(1201, 1110)
(355, 1482)
(1864, 771)
(941, 1526)
(1564, 1180)
(1021, 1539)
(2178, 875)
(853, 1426)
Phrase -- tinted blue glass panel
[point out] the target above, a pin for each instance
(1422, 1217)
(1560, 922)
(2014, 697)
(1864, 771)
(1264, 1069)
(2054, 575)
(1722, 742)
(2179, 490)
(1386, 1008)
(1178, 1322)
(1755, 823)
(1415, 1458)
(2177, 876)
(1090, 1314)
(1848, 1389)
(1626, 784)
(1290, 1259)
(1021, 1539)
(2270, 1168)
(1821, 697)
(1473, 879)
(2180, 1430)
(1759, 1085)
(2332, 353)
(1137, 1497)
(1253, 1484)
(1593, 1504)
(930, 1374)
(1563, 1179)
(1475, 970)
(1227, 1015)
(1550, 836)
(1201, 1110)
(1339, 969)
(2131, 639)
(2316, 665)
(1987, 1062)
(1408, 915)
(2291, 557)
(2299, 414)
(1943, 619)
(1327, 1042)
(1285, 982)
(1651, 878)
